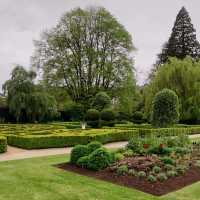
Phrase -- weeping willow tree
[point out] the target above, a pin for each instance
(183, 77)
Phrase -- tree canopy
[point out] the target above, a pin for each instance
(87, 52)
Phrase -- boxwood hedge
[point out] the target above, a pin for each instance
(3, 144)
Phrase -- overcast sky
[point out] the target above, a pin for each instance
(149, 22)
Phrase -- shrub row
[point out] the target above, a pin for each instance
(3, 144)
(169, 131)
(56, 141)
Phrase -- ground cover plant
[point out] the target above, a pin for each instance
(156, 165)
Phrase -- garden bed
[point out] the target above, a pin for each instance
(158, 188)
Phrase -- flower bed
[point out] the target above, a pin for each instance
(156, 166)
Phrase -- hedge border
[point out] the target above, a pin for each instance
(3, 144)
(58, 141)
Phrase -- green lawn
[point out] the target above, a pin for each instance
(38, 179)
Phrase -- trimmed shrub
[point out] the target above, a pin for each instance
(99, 159)
(108, 117)
(156, 169)
(77, 152)
(152, 178)
(141, 174)
(165, 110)
(122, 170)
(83, 162)
(167, 160)
(101, 101)
(3, 144)
(171, 173)
(138, 117)
(162, 177)
(132, 172)
(57, 141)
(92, 117)
(92, 146)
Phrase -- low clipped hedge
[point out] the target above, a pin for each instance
(169, 131)
(3, 144)
(56, 141)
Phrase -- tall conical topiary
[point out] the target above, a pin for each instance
(182, 41)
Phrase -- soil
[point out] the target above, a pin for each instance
(159, 188)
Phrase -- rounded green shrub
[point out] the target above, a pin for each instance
(101, 101)
(92, 146)
(169, 167)
(3, 144)
(141, 174)
(118, 156)
(165, 110)
(151, 178)
(108, 117)
(122, 170)
(93, 118)
(128, 153)
(167, 160)
(138, 117)
(99, 159)
(77, 152)
(162, 177)
(156, 169)
(171, 173)
(83, 161)
(131, 172)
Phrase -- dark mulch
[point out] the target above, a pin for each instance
(158, 188)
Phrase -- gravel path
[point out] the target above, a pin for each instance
(14, 153)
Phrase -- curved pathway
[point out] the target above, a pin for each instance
(14, 153)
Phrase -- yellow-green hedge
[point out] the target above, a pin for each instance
(3, 144)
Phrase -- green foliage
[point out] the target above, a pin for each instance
(108, 117)
(181, 169)
(168, 160)
(162, 177)
(128, 153)
(183, 41)
(156, 169)
(77, 152)
(138, 117)
(165, 108)
(135, 144)
(99, 159)
(92, 117)
(118, 156)
(92, 146)
(101, 101)
(122, 170)
(88, 68)
(183, 77)
(83, 161)
(3, 144)
(171, 173)
(151, 178)
(132, 172)
(26, 101)
(197, 163)
(141, 174)
(169, 167)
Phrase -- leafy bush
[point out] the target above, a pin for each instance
(135, 144)
(128, 153)
(138, 117)
(159, 150)
(101, 101)
(151, 178)
(197, 164)
(108, 117)
(165, 110)
(156, 169)
(83, 162)
(169, 167)
(77, 152)
(167, 160)
(99, 159)
(3, 144)
(162, 177)
(171, 173)
(92, 117)
(122, 170)
(92, 146)
(141, 174)
(118, 156)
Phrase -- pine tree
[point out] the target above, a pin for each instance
(182, 41)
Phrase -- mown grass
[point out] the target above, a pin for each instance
(38, 179)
